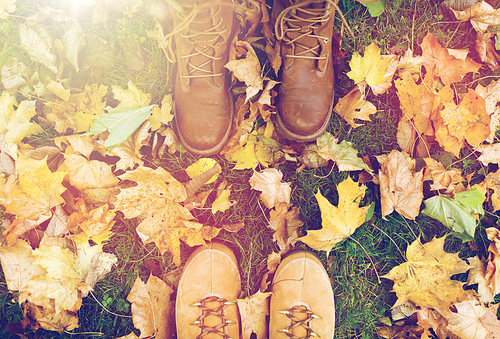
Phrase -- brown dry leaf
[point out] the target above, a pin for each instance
(131, 97)
(429, 318)
(234, 227)
(84, 174)
(411, 64)
(477, 275)
(354, 106)
(490, 153)
(31, 196)
(284, 219)
(400, 332)
(425, 278)
(264, 105)
(338, 222)
(253, 311)
(485, 47)
(449, 68)
(492, 272)
(129, 150)
(481, 15)
(492, 182)
(401, 189)
(247, 69)
(99, 220)
(268, 181)
(466, 121)
(470, 319)
(58, 225)
(151, 307)
(442, 178)
(491, 95)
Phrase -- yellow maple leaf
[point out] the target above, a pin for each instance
(201, 166)
(162, 115)
(338, 222)
(425, 278)
(370, 68)
(129, 150)
(84, 174)
(354, 106)
(222, 203)
(268, 181)
(31, 196)
(481, 15)
(15, 124)
(131, 97)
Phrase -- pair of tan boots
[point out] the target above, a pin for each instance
(302, 303)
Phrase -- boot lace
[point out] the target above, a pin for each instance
(204, 42)
(294, 322)
(290, 27)
(218, 329)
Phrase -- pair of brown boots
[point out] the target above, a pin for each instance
(203, 31)
(302, 304)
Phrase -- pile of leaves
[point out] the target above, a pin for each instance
(61, 198)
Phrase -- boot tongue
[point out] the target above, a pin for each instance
(303, 15)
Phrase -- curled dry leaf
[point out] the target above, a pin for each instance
(442, 178)
(343, 153)
(354, 106)
(247, 69)
(486, 49)
(129, 150)
(284, 219)
(268, 181)
(428, 319)
(151, 307)
(401, 189)
(492, 274)
(253, 311)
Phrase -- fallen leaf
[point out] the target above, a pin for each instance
(14, 73)
(7, 7)
(490, 153)
(131, 97)
(442, 178)
(74, 40)
(425, 278)
(58, 224)
(370, 68)
(338, 223)
(201, 166)
(222, 203)
(343, 154)
(7, 165)
(477, 275)
(129, 150)
(151, 307)
(481, 15)
(411, 64)
(247, 69)
(429, 318)
(253, 311)
(15, 124)
(400, 332)
(458, 213)
(37, 47)
(284, 220)
(485, 47)
(401, 189)
(447, 67)
(268, 181)
(354, 106)
(121, 123)
(470, 319)
(162, 115)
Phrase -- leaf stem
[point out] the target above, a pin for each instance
(387, 235)
(373, 264)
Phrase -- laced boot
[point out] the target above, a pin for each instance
(206, 296)
(304, 32)
(302, 304)
(203, 105)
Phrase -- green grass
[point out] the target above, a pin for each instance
(360, 298)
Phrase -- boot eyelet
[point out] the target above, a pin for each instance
(327, 40)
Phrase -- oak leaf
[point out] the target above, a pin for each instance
(151, 307)
(354, 106)
(268, 181)
(253, 311)
(338, 222)
(481, 15)
(449, 68)
(425, 278)
(401, 189)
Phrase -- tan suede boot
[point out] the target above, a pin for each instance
(305, 38)
(206, 297)
(302, 304)
(203, 105)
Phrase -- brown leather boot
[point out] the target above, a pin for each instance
(206, 297)
(302, 304)
(304, 32)
(203, 105)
